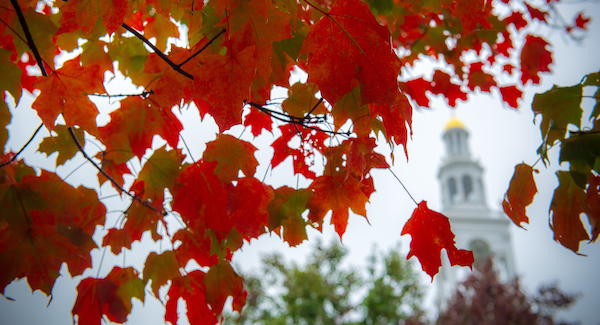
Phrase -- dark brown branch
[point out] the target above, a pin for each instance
(25, 146)
(157, 51)
(30, 42)
(203, 48)
(144, 94)
(302, 121)
(134, 197)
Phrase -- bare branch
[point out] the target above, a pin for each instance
(30, 42)
(25, 146)
(157, 51)
(134, 197)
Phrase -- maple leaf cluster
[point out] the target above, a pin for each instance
(578, 191)
(229, 58)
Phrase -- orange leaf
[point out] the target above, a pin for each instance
(232, 156)
(82, 15)
(65, 91)
(520, 194)
(339, 194)
(430, 232)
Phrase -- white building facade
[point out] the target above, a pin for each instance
(476, 227)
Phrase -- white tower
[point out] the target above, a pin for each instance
(476, 227)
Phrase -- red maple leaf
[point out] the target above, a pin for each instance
(592, 199)
(224, 82)
(534, 59)
(192, 290)
(310, 140)
(520, 194)
(479, 78)
(430, 232)
(566, 207)
(441, 84)
(133, 126)
(417, 90)
(349, 44)
(516, 18)
(581, 21)
(510, 95)
(247, 205)
(536, 13)
(110, 296)
(258, 121)
(396, 117)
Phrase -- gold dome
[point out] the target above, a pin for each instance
(454, 123)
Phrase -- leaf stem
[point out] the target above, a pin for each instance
(119, 187)
(24, 146)
(30, 42)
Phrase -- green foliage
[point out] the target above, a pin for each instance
(325, 291)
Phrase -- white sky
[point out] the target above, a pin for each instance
(500, 138)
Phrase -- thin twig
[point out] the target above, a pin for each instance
(25, 146)
(144, 203)
(145, 93)
(30, 42)
(302, 121)
(157, 51)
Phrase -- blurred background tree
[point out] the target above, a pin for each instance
(326, 292)
(483, 299)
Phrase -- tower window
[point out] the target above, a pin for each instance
(453, 191)
(467, 184)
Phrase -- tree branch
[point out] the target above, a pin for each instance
(134, 197)
(30, 42)
(156, 50)
(25, 146)
(203, 48)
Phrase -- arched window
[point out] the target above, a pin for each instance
(467, 184)
(452, 189)
(481, 252)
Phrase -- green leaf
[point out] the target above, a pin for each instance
(559, 106)
(160, 268)
(11, 76)
(286, 210)
(62, 143)
(582, 151)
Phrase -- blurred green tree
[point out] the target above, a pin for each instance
(326, 292)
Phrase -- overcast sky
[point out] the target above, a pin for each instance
(500, 138)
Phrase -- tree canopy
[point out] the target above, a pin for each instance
(328, 291)
(483, 299)
(221, 60)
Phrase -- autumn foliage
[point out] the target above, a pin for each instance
(229, 57)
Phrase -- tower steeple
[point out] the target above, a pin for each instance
(475, 226)
(462, 187)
